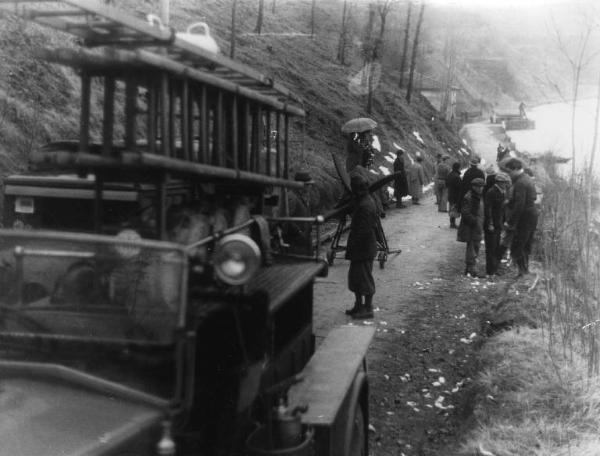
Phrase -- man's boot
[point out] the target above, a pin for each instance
(366, 311)
(356, 307)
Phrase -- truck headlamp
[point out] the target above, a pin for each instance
(236, 259)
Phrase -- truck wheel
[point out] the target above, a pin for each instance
(357, 444)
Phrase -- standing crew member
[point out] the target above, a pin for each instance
(442, 172)
(493, 222)
(454, 183)
(400, 182)
(470, 229)
(416, 179)
(470, 174)
(522, 215)
(361, 249)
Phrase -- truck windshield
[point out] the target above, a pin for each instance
(102, 305)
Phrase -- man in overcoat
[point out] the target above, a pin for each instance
(416, 179)
(454, 184)
(470, 229)
(400, 182)
(493, 221)
(522, 214)
(361, 249)
(472, 173)
(441, 173)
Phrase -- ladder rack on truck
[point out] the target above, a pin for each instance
(168, 273)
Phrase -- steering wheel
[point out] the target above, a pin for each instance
(20, 317)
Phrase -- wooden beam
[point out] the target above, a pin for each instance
(204, 143)
(164, 115)
(84, 116)
(109, 115)
(186, 125)
(131, 94)
(152, 115)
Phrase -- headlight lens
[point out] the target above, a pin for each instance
(236, 259)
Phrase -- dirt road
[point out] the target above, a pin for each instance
(421, 359)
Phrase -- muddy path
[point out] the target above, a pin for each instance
(427, 321)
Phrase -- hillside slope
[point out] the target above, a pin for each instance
(39, 102)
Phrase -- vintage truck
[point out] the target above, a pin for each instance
(156, 297)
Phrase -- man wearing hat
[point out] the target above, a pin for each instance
(441, 173)
(361, 248)
(490, 175)
(522, 214)
(470, 229)
(472, 173)
(493, 203)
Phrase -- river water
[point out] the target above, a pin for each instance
(553, 132)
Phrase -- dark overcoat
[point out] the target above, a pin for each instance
(400, 182)
(454, 183)
(494, 208)
(471, 220)
(362, 239)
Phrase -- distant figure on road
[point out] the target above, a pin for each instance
(361, 249)
(454, 184)
(438, 160)
(470, 229)
(441, 191)
(522, 215)
(522, 112)
(416, 179)
(494, 221)
(400, 182)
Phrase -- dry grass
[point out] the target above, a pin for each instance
(534, 402)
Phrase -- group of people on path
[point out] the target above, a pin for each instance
(498, 207)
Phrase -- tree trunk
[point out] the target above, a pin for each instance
(590, 172)
(273, 6)
(341, 55)
(259, 21)
(413, 60)
(233, 29)
(312, 18)
(405, 47)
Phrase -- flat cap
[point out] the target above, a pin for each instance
(477, 182)
(502, 177)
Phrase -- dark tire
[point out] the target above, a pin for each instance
(357, 445)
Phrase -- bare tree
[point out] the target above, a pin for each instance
(273, 6)
(312, 18)
(259, 20)
(233, 29)
(383, 8)
(405, 47)
(370, 55)
(341, 54)
(450, 66)
(414, 54)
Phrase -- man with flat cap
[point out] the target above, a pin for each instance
(473, 172)
(441, 174)
(522, 214)
(400, 181)
(361, 248)
(470, 229)
(493, 203)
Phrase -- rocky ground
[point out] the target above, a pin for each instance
(430, 321)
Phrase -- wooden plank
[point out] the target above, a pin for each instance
(152, 115)
(234, 131)
(109, 115)
(219, 131)
(268, 145)
(164, 115)
(278, 146)
(329, 374)
(204, 124)
(185, 119)
(84, 116)
(131, 93)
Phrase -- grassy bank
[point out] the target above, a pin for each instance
(539, 389)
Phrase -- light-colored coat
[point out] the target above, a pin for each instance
(416, 180)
